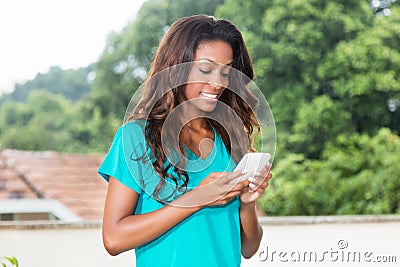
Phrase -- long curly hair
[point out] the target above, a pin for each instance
(178, 46)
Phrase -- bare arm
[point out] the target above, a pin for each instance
(123, 231)
(251, 230)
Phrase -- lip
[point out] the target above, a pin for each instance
(209, 96)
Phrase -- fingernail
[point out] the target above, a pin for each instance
(256, 173)
(252, 186)
(252, 179)
(244, 171)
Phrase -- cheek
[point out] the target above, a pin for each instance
(225, 82)
(191, 90)
(195, 77)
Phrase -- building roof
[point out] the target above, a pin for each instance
(69, 178)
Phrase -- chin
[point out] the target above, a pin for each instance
(206, 107)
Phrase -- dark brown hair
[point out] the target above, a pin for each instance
(179, 46)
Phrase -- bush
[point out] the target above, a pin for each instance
(357, 174)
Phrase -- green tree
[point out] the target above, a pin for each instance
(317, 121)
(364, 73)
(330, 73)
(37, 125)
(289, 42)
(127, 55)
(90, 130)
(329, 69)
(356, 175)
(47, 121)
(72, 84)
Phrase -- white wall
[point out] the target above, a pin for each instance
(76, 246)
(59, 248)
(330, 244)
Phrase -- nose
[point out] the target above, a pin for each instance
(216, 85)
(217, 81)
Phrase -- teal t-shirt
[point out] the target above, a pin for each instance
(209, 237)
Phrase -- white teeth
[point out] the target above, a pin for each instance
(208, 95)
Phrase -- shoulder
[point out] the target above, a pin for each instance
(132, 130)
(130, 136)
(135, 126)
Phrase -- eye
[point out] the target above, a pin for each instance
(225, 72)
(205, 71)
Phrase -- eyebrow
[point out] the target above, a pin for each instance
(216, 63)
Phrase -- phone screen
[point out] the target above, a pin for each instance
(251, 162)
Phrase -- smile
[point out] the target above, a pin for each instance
(208, 95)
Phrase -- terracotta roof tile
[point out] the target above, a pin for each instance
(11, 185)
(72, 179)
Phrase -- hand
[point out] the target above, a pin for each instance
(217, 189)
(257, 184)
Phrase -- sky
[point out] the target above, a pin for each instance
(38, 34)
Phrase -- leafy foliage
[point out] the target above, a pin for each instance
(12, 260)
(72, 84)
(126, 58)
(330, 73)
(329, 69)
(50, 122)
(356, 175)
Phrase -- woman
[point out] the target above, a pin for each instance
(175, 201)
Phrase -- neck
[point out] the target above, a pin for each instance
(194, 118)
(197, 124)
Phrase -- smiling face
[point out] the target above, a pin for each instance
(209, 75)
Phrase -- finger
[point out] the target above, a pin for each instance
(230, 177)
(266, 169)
(257, 179)
(261, 177)
(252, 187)
(255, 186)
(264, 184)
(236, 174)
(229, 195)
(240, 186)
(258, 188)
(260, 191)
(261, 173)
(268, 166)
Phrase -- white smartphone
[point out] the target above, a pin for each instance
(251, 162)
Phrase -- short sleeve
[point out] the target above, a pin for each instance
(123, 159)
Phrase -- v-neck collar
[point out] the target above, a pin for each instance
(196, 163)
